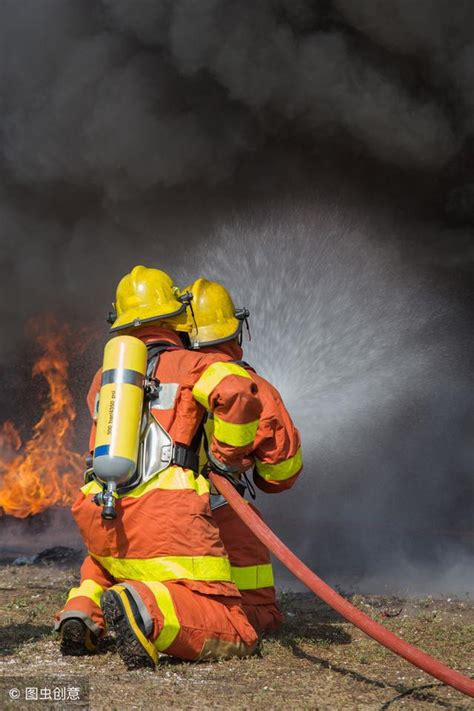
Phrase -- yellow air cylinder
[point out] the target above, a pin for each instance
(120, 410)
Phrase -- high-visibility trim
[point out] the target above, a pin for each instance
(205, 567)
(236, 435)
(252, 577)
(171, 626)
(88, 588)
(281, 471)
(212, 376)
(172, 478)
(91, 488)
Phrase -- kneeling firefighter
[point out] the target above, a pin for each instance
(216, 328)
(157, 573)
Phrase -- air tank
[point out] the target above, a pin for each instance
(120, 410)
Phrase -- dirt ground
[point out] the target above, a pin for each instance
(317, 661)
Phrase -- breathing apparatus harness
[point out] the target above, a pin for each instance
(182, 456)
(156, 449)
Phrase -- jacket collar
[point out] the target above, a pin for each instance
(150, 334)
(229, 348)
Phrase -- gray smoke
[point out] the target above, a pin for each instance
(313, 155)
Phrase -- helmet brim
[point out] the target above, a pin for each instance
(215, 334)
(137, 316)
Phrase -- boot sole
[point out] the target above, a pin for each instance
(73, 639)
(135, 650)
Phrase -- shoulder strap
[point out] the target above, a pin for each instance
(155, 349)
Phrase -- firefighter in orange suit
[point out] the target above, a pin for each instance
(215, 329)
(158, 574)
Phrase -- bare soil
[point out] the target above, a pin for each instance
(318, 661)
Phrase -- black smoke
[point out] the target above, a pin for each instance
(120, 95)
(318, 157)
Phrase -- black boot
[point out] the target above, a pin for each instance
(124, 619)
(76, 638)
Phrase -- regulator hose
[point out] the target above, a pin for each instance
(333, 599)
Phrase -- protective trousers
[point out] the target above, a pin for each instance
(251, 569)
(178, 621)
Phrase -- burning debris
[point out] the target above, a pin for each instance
(44, 471)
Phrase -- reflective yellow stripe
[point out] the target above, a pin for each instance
(252, 577)
(236, 435)
(143, 489)
(88, 588)
(205, 567)
(171, 624)
(212, 376)
(91, 488)
(281, 471)
(171, 478)
(174, 478)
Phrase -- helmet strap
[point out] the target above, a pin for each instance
(112, 317)
(194, 318)
(186, 299)
(243, 315)
(247, 326)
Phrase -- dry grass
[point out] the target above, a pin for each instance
(317, 662)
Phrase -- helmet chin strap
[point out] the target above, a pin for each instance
(248, 329)
(112, 317)
(187, 298)
(243, 315)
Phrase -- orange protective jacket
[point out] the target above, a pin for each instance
(203, 382)
(277, 458)
(277, 446)
(164, 528)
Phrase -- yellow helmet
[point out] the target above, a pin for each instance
(148, 295)
(213, 318)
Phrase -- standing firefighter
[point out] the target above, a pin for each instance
(216, 329)
(157, 570)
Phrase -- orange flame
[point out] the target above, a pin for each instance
(44, 471)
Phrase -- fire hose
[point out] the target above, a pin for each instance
(373, 629)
